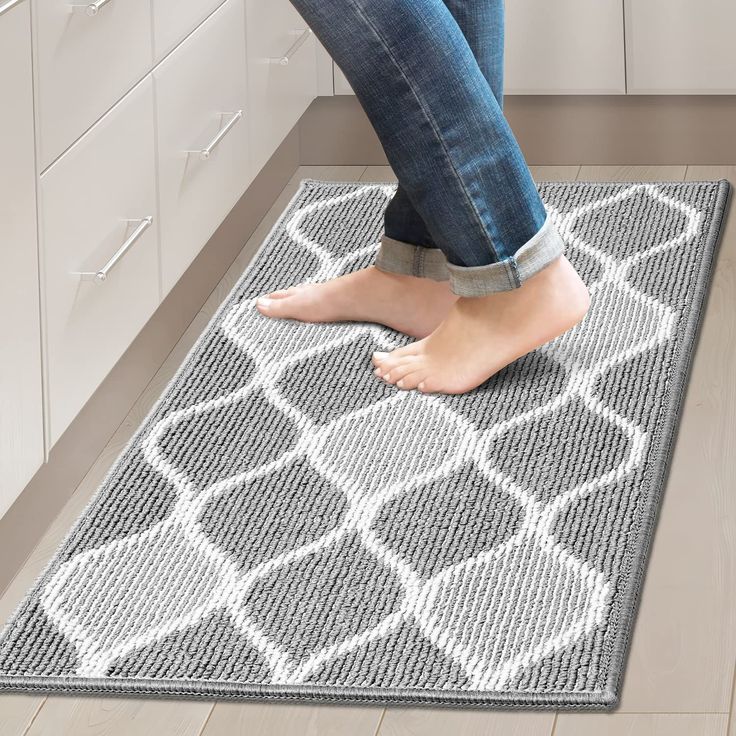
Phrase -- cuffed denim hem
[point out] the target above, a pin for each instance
(415, 260)
(538, 252)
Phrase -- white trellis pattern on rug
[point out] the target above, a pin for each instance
(493, 613)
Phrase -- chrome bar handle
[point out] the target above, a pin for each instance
(90, 9)
(284, 60)
(204, 153)
(101, 275)
(4, 7)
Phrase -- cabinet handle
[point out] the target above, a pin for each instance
(4, 7)
(204, 153)
(90, 9)
(101, 275)
(284, 60)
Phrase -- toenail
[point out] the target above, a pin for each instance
(421, 386)
(386, 376)
(400, 383)
(380, 355)
(377, 372)
(263, 301)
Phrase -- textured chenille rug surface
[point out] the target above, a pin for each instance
(284, 524)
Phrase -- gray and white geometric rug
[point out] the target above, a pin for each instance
(284, 524)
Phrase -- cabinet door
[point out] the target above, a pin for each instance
(201, 106)
(681, 46)
(278, 93)
(174, 19)
(86, 62)
(342, 86)
(95, 200)
(21, 417)
(562, 47)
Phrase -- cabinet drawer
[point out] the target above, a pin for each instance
(92, 200)
(278, 93)
(21, 413)
(680, 47)
(202, 136)
(85, 64)
(565, 47)
(174, 19)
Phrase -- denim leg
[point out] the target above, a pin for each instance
(444, 135)
(404, 231)
(482, 24)
(406, 244)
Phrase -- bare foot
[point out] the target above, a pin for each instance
(412, 305)
(481, 335)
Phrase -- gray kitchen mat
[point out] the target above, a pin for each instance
(284, 524)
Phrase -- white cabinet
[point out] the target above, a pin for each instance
(342, 86)
(174, 19)
(615, 47)
(85, 63)
(93, 199)
(201, 106)
(681, 46)
(278, 92)
(21, 417)
(564, 47)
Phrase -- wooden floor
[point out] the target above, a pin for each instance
(680, 675)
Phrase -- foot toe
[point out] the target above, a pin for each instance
(396, 367)
(394, 359)
(414, 378)
(436, 383)
(429, 384)
(273, 307)
(397, 373)
(282, 293)
(389, 365)
(384, 359)
(378, 357)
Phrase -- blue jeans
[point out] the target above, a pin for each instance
(429, 75)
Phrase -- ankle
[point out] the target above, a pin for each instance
(562, 282)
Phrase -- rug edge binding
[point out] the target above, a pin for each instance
(632, 596)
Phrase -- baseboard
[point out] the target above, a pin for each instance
(556, 130)
(74, 453)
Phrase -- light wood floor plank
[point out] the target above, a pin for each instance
(378, 173)
(641, 724)
(334, 173)
(554, 173)
(67, 716)
(17, 711)
(446, 722)
(269, 719)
